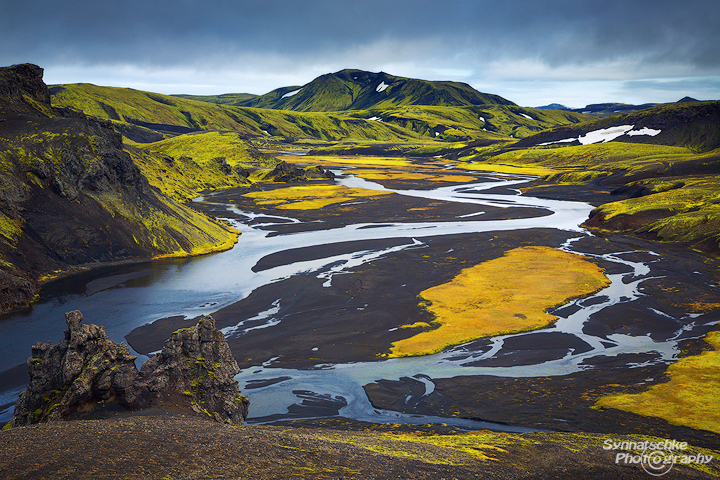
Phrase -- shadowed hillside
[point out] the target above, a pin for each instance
(72, 198)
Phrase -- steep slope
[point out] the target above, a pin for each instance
(71, 197)
(361, 90)
(145, 116)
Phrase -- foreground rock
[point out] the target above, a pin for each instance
(88, 371)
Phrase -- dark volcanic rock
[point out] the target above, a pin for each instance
(25, 78)
(87, 370)
(197, 362)
(287, 172)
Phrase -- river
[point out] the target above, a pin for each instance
(124, 298)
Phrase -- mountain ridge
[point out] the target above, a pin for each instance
(352, 89)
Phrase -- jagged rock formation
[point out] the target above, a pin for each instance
(87, 370)
(197, 362)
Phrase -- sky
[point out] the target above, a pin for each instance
(573, 52)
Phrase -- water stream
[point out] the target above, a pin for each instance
(190, 287)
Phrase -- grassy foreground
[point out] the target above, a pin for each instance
(506, 295)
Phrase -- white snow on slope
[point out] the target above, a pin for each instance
(644, 131)
(382, 86)
(604, 134)
(290, 94)
(527, 116)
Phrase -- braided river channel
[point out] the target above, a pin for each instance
(123, 299)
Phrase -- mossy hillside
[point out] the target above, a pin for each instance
(162, 112)
(602, 156)
(689, 398)
(223, 99)
(498, 448)
(166, 227)
(677, 209)
(686, 124)
(462, 123)
(96, 205)
(204, 147)
(506, 295)
(358, 90)
(407, 123)
(129, 105)
(183, 179)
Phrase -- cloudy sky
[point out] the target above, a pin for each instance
(535, 52)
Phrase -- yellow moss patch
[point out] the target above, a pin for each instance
(417, 176)
(511, 169)
(352, 160)
(506, 295)
(689, 398)
(308, 197)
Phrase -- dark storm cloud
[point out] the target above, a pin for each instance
(474, 40)
(167, 32)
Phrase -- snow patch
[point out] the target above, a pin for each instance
(290, 94)
(375, 119)
(644, 131)
(527, 116)
(565, 140)
(604, 134)
(382, 86)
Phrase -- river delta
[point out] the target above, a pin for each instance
(311, 300)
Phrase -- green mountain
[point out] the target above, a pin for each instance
(147, 117)
(73, 198)
(361, 90)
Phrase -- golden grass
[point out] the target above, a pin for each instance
(351, 160)
(431, 177)
(509, 169)
(506, 295)
(690, 398)
(309, 197)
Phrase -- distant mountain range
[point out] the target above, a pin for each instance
(607, 109)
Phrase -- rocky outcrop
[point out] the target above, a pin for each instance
(287, 172)
(197, 362)
(88, 371)
(72, 198)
